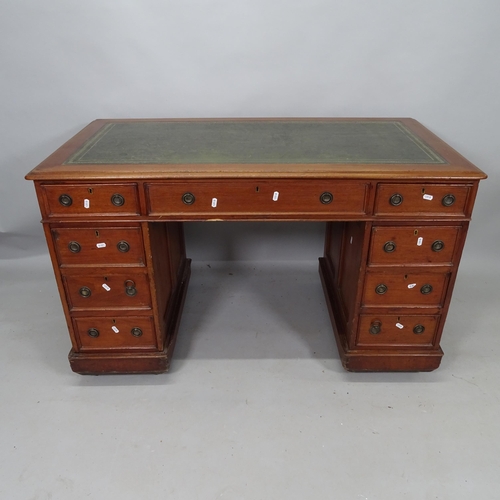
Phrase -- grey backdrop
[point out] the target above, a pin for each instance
(65, 63)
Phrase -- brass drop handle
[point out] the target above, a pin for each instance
(188, 198)
(85, 292)
(426, 289)
(136, 332)
(396, 199)
(448, 200)
(65, 200)
(326, 198)
(418, 329)
(381, 289)
(74, 246)
(93, 332)
(437, 246)
(375, 327)
(389, 247)
(123, 246)
(130, 289)
(117, 200)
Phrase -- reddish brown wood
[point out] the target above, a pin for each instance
(361, 221)
(128, 289)
(262, 198)
(90, 199)
(413, 245)
(98, 246)
(351, 266)
(115, 333)
(137, 361)
(413, 201)
(404, 288)
(396, 331)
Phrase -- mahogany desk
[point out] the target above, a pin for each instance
(396, 200)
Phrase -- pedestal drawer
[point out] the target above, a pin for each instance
(396, 331)
(413, 245)
(421, 199)
(389, 289)
(128, 290)
(107, 333)
(99, 246)
(67, 200)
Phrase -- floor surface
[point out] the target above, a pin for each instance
(256, 406)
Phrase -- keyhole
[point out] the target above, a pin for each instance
(415, 232)
(105, 278)
(114, 321)
(90, 190)
(423, 190)
(97, 233)
(406, 276)
(257, 189)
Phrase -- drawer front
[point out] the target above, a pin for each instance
(99, 246)
(69, 200)
(413, 245)
(421, 199)
(388, 289)
(254, 197)
(105, 333)
(107, 290)
(396, 331)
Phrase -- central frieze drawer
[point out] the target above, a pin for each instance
(107, 290)
(389, 289)
(254, 197)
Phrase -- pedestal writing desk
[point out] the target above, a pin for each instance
(395, 198)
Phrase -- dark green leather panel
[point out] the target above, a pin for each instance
(262, 142)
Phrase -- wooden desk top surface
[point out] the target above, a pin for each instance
(397, 148)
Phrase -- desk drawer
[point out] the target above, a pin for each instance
(107, 333)
(396, 331)
(107, 246)
(70, 200)
(413, 245)
(256, 197)
(128, 290)
(443, 200)
(389, 289)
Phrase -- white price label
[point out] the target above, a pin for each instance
(428, 197)
(214, 202)
(420, 241)
(276, 195)
(106, 287)
(101, 245)
(86, 203)
(115, 329)
(400, 326)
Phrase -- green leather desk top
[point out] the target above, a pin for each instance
(256, 142)
(348, 148)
